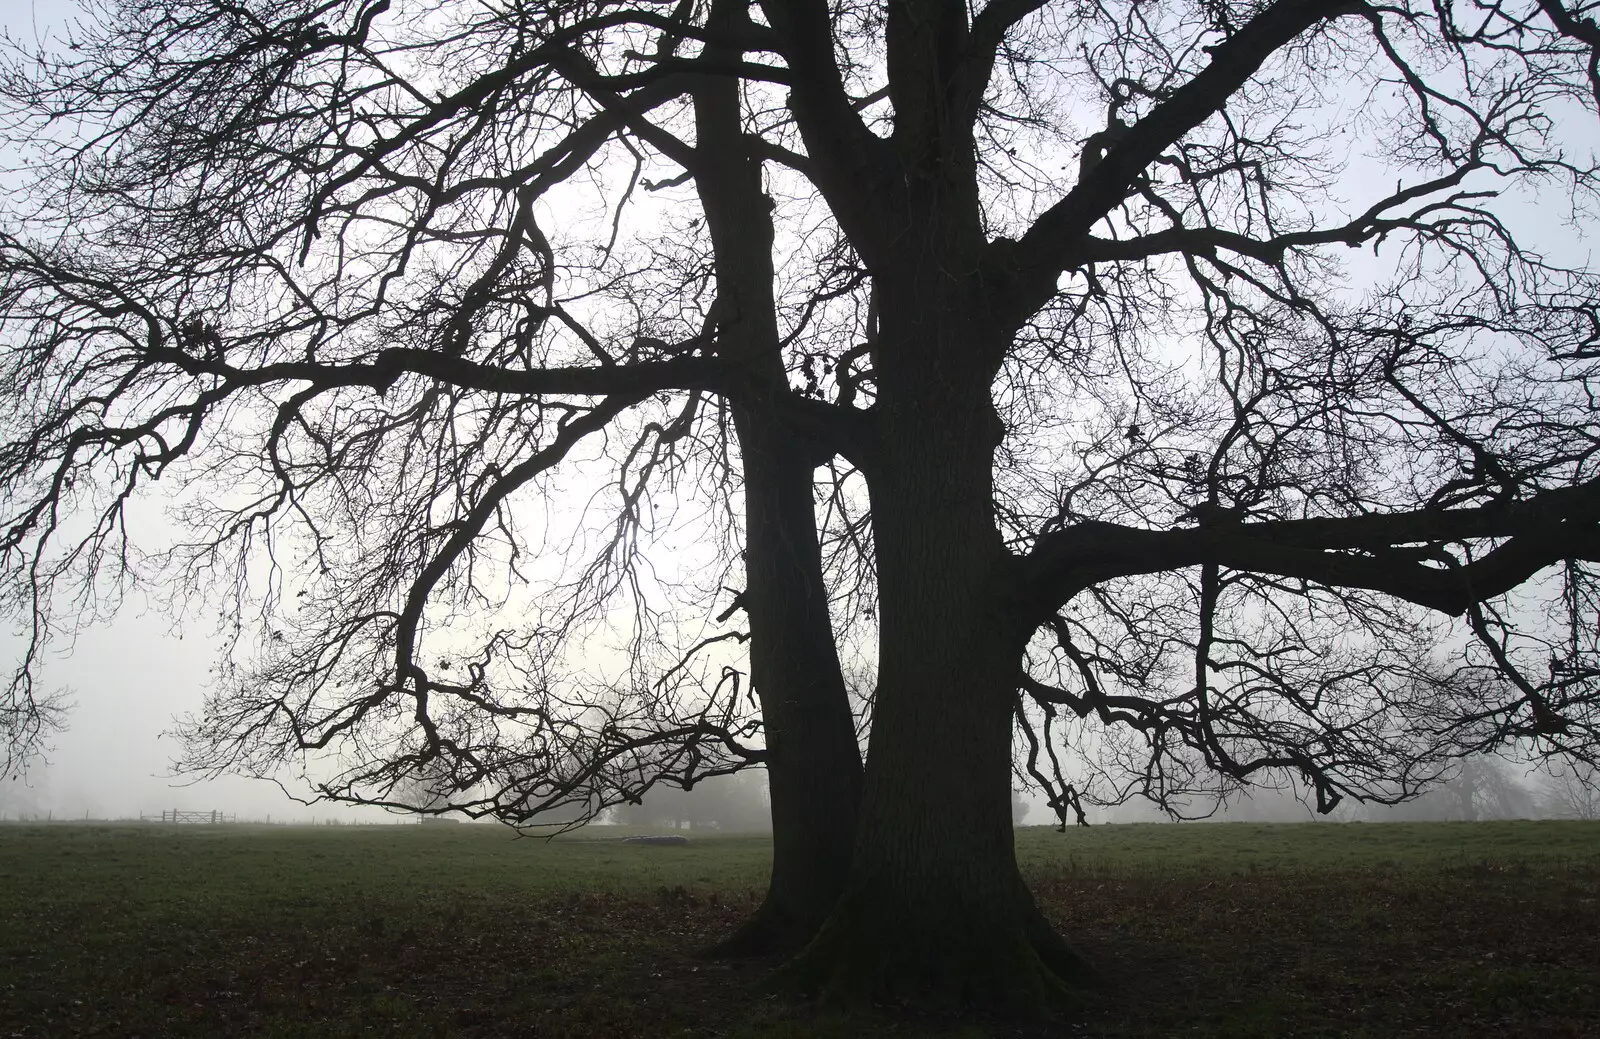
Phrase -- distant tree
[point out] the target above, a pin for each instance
(1475, 788)
(21, 793)
(735, 803)
(1276, 804)
(1481, 787)
(1570, 790)
(1124, 448)
(1019, 806)
(427, 790)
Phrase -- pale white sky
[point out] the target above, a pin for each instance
(128, 680)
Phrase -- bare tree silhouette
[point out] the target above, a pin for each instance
(1254, 437)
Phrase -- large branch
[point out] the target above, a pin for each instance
(1208, 241)
(850, 165)
(1025, 271)
(467, 529)
(580, 146)
(1350, 552)
(556, 51)
(622, 107)
(387, 366)
(988, 33)
(830, 428)
(1577, 24)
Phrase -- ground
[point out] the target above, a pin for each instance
(1203, 930)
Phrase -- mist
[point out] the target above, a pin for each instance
(126, 682)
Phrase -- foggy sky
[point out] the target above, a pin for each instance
(130, 678)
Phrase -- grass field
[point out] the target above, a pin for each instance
(1205, 930)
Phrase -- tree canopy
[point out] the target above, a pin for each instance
(1194, 392)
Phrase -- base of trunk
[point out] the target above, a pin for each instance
(768, 932)
(939, 957)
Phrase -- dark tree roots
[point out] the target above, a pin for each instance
(1008, 963)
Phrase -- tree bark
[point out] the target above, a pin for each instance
(935, 910)
(814, 763)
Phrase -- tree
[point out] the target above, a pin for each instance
(1571, 790)
(420, 795)
(1019, 807)
(20, 794)
(1058, 294)
(1481, 789)
(588, 752)
(1472, 789)
(736, 803)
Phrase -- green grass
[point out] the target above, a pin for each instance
(1209, 847)
(1206, 930)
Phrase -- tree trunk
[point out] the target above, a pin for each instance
(934, 909)
(814, 764)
